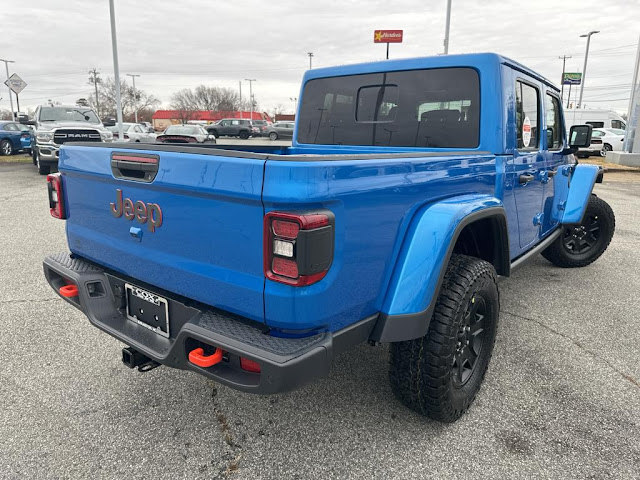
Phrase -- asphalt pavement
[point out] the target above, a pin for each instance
(561, 397)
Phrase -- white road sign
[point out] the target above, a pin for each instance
(15, 83)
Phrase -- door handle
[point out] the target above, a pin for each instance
(525, 178)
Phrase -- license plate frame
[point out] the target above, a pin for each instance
(147, 309)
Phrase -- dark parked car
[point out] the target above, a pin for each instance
(13, 138)
(185, 134)
(231, 127)
(280, 130)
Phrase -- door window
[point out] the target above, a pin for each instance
(527, 116)
(618, 124)
(554, 122)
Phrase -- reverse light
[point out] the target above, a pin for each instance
(282, 248)
(56, 199)
(298, 247)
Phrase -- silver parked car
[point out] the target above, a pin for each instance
(133, 132)
(279, 130)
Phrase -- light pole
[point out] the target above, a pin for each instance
(446, 28)
(310, 62)
(250, 80)
(6, 66)
(564, 60)
(116, 68)
(584, 68)
(135, 95)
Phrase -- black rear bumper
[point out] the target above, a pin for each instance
(285, 363)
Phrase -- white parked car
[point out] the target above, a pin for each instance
(133, 132)
(612, 138)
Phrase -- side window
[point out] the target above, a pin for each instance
(11, 127)
(618, 124)
(596, 124)
(554, 122)
(527, 116)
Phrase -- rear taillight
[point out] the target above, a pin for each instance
(298, 247)
(56, 199)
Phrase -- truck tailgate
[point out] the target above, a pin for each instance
(195, 230)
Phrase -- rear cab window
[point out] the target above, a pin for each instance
(438, 108)
(527, 116)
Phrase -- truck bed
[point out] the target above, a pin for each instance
(209, 247)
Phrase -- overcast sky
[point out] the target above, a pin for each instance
(183, 43)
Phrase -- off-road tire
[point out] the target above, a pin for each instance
(597, 215)
(424, 372)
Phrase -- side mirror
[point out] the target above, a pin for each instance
(580, 136)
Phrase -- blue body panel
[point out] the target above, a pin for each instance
(423, 256)
(209, 247)
(395, 215)
(580, 187)
(374, 202)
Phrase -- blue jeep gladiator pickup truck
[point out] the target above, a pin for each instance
(409, 187)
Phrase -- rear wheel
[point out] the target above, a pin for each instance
(580, 245)
(273, 136)
(440, 374)
(6, 148)
(244, 135)
(606, 148)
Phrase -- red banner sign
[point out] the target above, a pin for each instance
(387, 36)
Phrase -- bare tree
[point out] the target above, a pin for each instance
(131, 99)
(218, 99)
(183, 102)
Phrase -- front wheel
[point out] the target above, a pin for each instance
(273, 136)
(580, 245)
(440, 374)
(42, 169)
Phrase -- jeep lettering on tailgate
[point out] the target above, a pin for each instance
(150, 213)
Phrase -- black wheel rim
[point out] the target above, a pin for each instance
(470, 340)
(581, 239)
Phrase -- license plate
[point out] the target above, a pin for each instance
(147, 309)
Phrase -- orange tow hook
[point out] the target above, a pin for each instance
(69, 291)
(197, 357)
